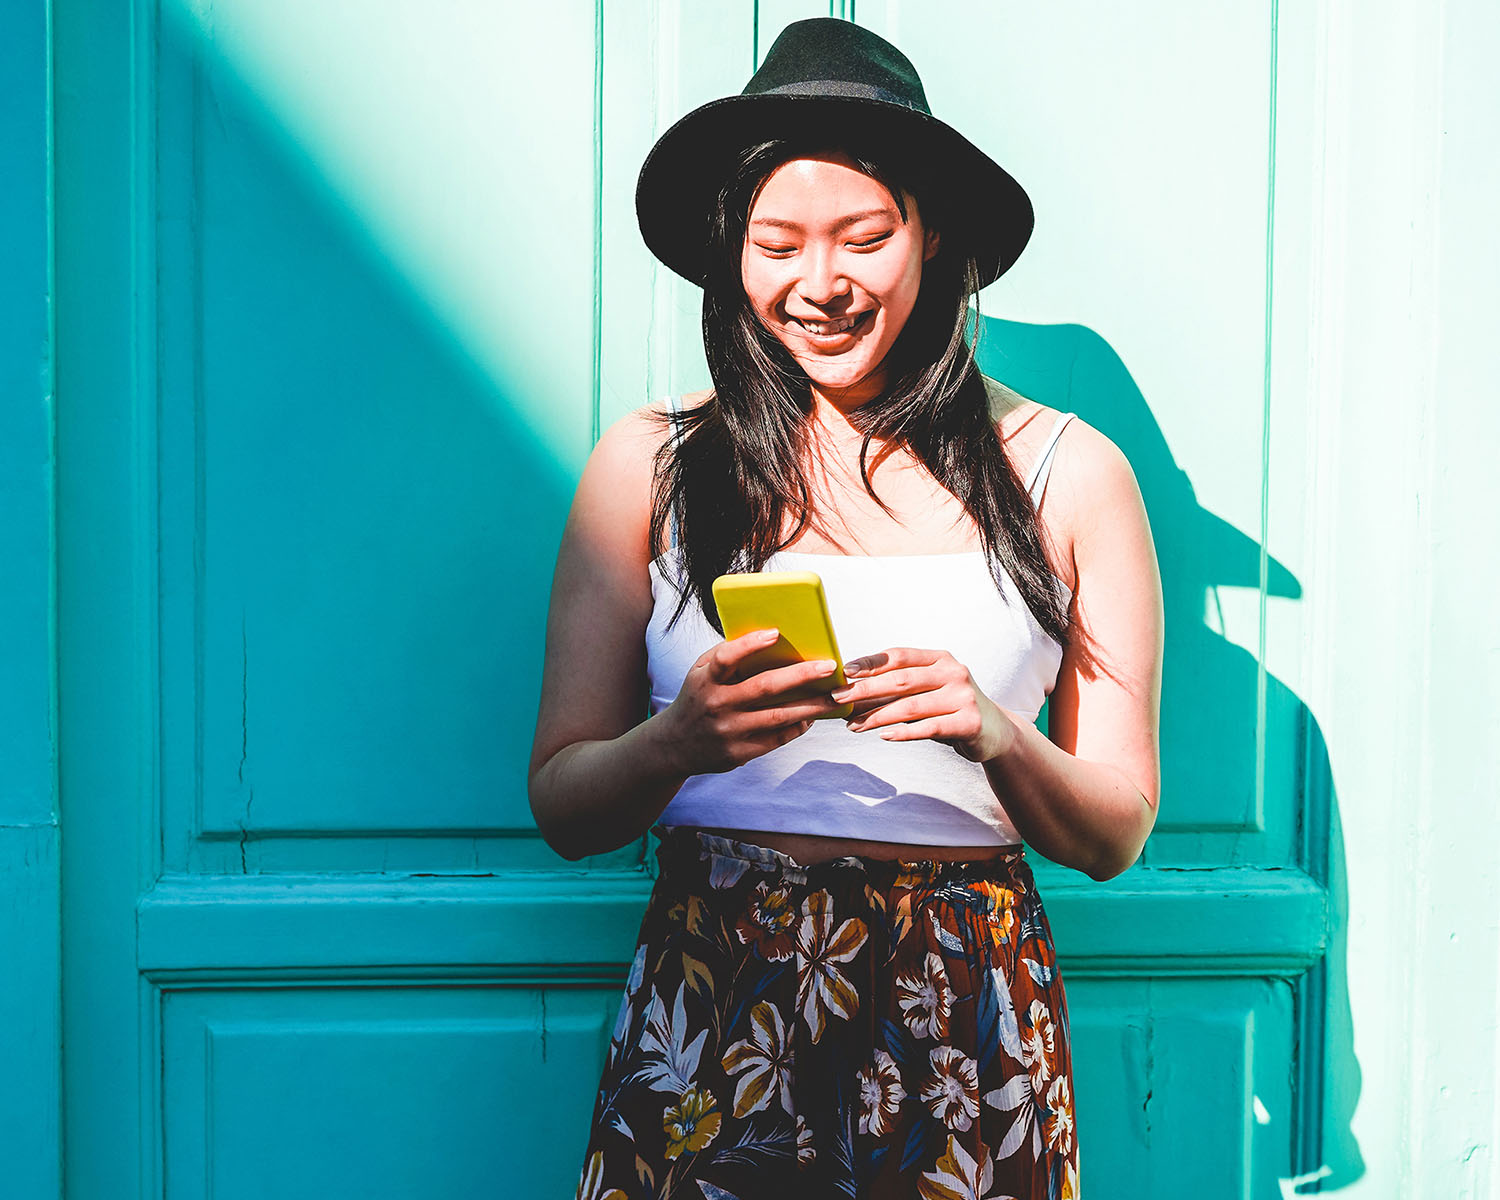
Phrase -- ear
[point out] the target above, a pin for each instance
(931, 239)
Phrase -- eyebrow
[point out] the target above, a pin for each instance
(841, 223)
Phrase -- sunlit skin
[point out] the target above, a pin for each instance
(826, 243)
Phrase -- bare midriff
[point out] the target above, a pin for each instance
(806, 848)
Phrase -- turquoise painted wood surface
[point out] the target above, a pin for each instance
(312, 478)
(30, 939)
(337, 321)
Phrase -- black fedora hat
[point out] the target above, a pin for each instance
(836, 78)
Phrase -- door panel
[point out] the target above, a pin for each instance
(349, 499)
(1215, 1119)
(396, 1090)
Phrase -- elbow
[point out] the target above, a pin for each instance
(1102, 870)
(575, 841)
(560, 846)
(1112, 861)
(1118, 855)
(557, 838)
(570, 832)
(554, 832)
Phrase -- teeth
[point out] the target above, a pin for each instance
(822, 328)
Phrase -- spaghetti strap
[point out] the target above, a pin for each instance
(1037, 484)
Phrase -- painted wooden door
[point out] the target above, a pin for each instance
(326, 282)
(344, 294)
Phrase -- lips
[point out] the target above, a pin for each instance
(831, 329)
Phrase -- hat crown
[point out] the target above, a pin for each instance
(825, 56)
(828, 78)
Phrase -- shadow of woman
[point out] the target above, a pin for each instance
(1213, 776)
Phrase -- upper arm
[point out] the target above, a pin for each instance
(593, 677)
(1105, 706)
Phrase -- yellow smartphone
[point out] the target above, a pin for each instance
(792, 603)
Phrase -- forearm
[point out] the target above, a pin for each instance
(594, 796)
(1086, 815)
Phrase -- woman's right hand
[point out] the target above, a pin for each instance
(722, 717)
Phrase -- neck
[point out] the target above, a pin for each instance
(835, 419)
(835, 404)
(836, 439)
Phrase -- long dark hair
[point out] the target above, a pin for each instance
(735, 468)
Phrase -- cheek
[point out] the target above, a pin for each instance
(761, 283)
(899, 287)
(912, 277)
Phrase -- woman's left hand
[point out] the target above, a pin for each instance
(908, 694)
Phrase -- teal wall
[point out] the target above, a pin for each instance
(342, 295)
(30, 1016)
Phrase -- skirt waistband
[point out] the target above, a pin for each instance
(681, 842)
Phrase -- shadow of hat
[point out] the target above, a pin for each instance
(1222, 554)
(1072, 367)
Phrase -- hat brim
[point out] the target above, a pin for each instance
(987, 212)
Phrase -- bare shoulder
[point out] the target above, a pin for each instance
(626, 450)
(614, 494)
(639, 434)
(612, 507)
(1092, 487)
(1087, 468)
(1021, 423)
(1091, 492)
(1093, 511)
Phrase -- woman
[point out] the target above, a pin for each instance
(845, 982)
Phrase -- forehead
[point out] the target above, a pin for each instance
(819, 188)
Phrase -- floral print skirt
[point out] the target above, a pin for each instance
(857, 1027)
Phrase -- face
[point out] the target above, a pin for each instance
(833, 271)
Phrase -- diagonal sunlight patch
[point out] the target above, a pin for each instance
(462, 141)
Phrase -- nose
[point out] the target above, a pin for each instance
(823, 280)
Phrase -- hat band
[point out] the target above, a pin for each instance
(845, 88)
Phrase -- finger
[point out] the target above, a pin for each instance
(858, 707)
(929, 728)
(792, 732)
(890, 685)
(893, 659)
(725, 659)
(791, 712)
(767, 687)
(913, 708)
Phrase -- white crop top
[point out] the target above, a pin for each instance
(837, 783)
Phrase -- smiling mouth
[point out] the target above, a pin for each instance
(822, 329)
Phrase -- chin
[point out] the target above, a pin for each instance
(836, 383)
(840, 376)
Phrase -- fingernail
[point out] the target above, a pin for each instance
(839, 695)
(855, 667)
(769, 635)
(825, 666)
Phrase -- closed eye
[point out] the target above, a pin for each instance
(870, 243)
(775, 251)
